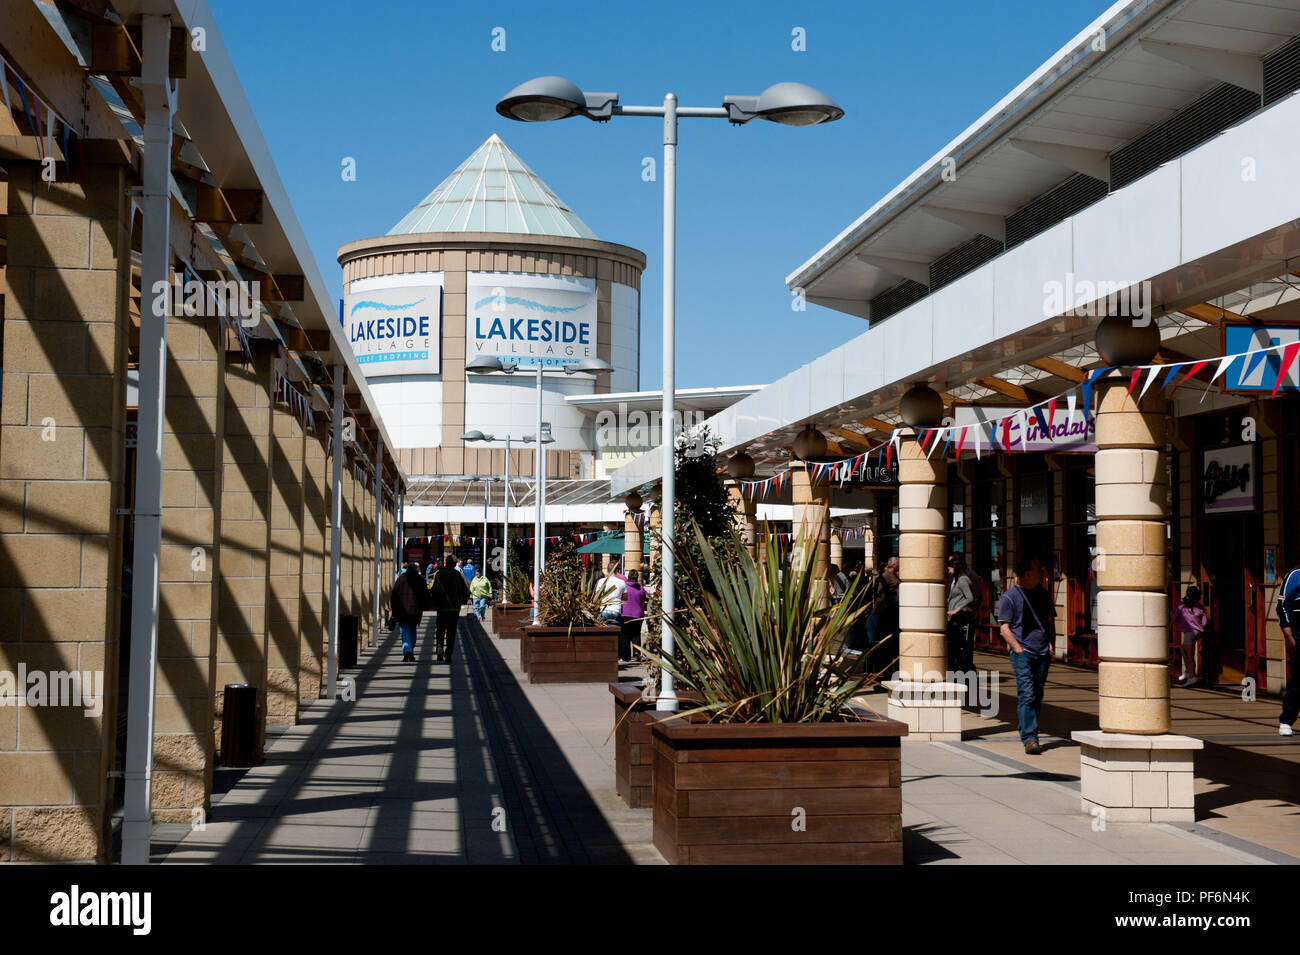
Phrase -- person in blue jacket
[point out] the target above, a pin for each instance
(1288, 615)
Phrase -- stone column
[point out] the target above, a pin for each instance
(66, 326)
(632, 544)
(1133, 769)
(655, 519)
(284, 655)
(922, 696)
(347, 593)
(313, 592)
(745, 520)
(922, 597)
(245, 530)
(836, 544)
(193, 455)
(811, 518)
(364, 568)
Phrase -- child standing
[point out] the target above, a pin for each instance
(1189, 619)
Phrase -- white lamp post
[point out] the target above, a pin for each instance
(486, 364)
(549, 98)
(505, 526)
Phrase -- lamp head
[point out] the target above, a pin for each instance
(474, 436)
(790, 104)
(591, 366)
(548, 98)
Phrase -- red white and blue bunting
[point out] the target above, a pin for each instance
(995, 434)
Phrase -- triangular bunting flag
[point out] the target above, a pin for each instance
(1288, 357)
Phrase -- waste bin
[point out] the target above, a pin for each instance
(239, 725)
(349, 630)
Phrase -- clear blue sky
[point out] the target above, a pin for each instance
(408, 88)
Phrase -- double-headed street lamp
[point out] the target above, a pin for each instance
(553, 97)
(486, 364)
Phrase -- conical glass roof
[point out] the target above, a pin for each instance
(493, 191)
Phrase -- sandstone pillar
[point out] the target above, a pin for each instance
(313, 592)
(189, 568)
(922, 696)
(811, 519)
(245, 530)
(284, 655)
(1133, 769)
(66, 326)
(745, 511)
(632, 543)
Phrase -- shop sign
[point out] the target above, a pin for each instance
(530, 318)
(394, 324)
(1228, 479)
(1067, 433)
(1259, 372)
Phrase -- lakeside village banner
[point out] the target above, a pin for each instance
(394, 324)
(1062, 423)
(530, 318)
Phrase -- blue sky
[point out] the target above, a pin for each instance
(409, 88)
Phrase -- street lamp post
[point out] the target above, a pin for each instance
(505, 525)
(485, 364)
(548, 98)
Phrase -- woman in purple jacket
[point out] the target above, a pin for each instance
(633, 614)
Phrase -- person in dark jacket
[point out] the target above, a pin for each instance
(447, 594)
(409, 600)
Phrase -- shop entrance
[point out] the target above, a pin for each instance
(1233, 593)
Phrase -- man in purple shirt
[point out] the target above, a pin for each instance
(1026, 614)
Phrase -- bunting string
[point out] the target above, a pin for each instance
(998, 432)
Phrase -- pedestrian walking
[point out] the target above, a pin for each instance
(839, 582)
(611, 591)
(632, 615)
(480, 591)
(1288, 615)
(408, 601)
(448, 594)
(1026, 615)
(963, 604)
(469, 571)
(1189, 622)
(887, 585)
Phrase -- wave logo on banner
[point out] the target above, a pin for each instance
(395, 330)
(531, 319)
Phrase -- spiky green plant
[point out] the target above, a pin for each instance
(568, 597)
(752, 640)
(517, 581)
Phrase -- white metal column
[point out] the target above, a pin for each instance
(155, 267)
(668, 428)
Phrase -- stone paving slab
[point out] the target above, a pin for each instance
(430, 759)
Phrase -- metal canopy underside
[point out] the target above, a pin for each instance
(1077, 109)
(461, 490)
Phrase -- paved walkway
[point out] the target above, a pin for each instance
(1247, 777)
(467, 763)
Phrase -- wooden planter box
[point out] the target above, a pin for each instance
(569, 655)
(633, 747)
(726, 794)
(506, 619)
